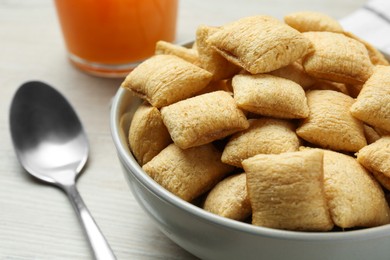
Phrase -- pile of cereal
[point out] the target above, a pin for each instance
(286, 124)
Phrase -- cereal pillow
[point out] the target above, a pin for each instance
(187, 173)
(330, 85)
(260, 44)
(337, 58)
(376, 156)
(270, 96)
(286, 191)
(216, 86)
(148, 134)
(306, 21)
(376, 57)
(354, 197)
(373, 102)
(190, 55)
(296, 73)
(209, 58)
(229, 198)
(203, 119)
(371, 134)
(330, 124)
(166, 79)
(265, 135)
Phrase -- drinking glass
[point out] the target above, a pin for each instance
(110, 37)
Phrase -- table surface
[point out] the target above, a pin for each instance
(36, 220)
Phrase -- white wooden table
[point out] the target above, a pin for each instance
(36, 220)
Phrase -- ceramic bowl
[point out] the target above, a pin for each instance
(209, 236)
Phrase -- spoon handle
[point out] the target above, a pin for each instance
(99, 244)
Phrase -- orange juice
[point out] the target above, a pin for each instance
(109, 37)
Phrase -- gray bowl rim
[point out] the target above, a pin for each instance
(127, 158)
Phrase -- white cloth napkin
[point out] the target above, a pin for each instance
(372, 23)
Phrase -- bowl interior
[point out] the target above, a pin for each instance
(123, 108)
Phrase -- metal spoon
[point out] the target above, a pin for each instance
(51, 144)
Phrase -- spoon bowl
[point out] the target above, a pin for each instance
(51, 144)
(47, 134)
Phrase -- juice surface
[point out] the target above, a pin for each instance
(116, 31)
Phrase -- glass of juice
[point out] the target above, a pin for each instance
(110, 37)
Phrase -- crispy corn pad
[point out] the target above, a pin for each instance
(148, 134)
(330, 85)
(330, 125)
(229, 198)
(296, 73)
(203, 119)
(338, 58)
(354, 197)
(286, 191)
(209, 58)
(269, 95)
(376, 156)
(190, 55)
(373, 102)
(216, 86)
(166, 79)
(306, 21)
(264, 135)
(375, 55)
(370, 134)
(382, 179)
(187, 173)
(260, 44)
